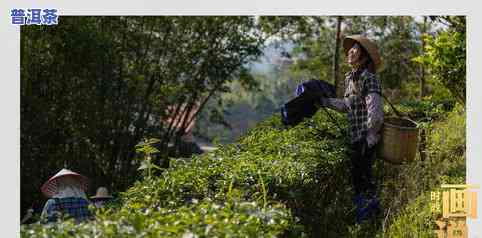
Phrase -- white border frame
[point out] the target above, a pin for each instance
(10, 86)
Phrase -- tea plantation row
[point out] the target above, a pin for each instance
(275, 182)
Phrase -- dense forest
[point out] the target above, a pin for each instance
(105, 96)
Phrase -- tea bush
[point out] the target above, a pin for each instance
(203, 218)
(274, 182)
(414, 221)
(425, 110)
(447, 138)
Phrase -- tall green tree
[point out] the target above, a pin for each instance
(93, 87)
(445, 55)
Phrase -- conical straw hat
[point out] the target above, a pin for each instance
(49, 188)
(369, 46)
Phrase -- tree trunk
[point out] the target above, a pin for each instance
(336, 58)
(423, 135)
(422, 76)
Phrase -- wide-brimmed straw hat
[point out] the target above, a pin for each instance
(50, 187)
(102, 192)
(369, 46)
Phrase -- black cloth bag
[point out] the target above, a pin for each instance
(305, 104)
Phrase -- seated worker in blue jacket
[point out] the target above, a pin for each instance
(363, 105)
(66, 191)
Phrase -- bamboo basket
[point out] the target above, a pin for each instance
(399, 140)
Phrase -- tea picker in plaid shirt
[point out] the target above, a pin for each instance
(66, 191)
(363, 105)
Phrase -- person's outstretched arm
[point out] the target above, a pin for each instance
(338, 104)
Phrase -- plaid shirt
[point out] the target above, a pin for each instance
(357, 88)
(74, 207)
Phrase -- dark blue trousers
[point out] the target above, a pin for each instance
(362, 159)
